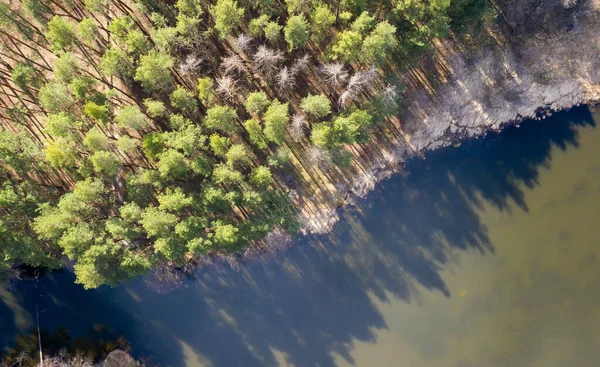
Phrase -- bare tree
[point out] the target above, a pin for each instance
(190, 64)
(297, 127)
(242, 42)
(285, 80)
(266, 60)
(318, 156)
(390, 95)
(301, 64)
(335, 74)
(233, 63)
(359, 82)
(226, 86)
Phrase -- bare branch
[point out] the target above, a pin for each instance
(318, 156)
(233, 63)
(242, 42)
(286, 81)
(297, 128)
(266, 60)
(335, 74)
(226, 86)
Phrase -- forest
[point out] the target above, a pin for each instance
(146, 134)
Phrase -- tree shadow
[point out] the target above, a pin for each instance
(316, 299)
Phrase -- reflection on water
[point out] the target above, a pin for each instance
(484, 255)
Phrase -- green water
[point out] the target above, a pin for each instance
(482, 255)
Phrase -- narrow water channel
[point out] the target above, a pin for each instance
(482, 255)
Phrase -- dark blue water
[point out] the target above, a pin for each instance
(316, 303)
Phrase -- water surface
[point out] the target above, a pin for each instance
(483, 255)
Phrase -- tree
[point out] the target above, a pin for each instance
(347, 46)
(61, 33)
(24, 76)
(184, 100)
(297, 128)
(296, 32)
(206, 91)
(321, 20)
(65, 68)
(130, 116)
(223, 174)
(174, 200)
(380, 43)
(172, 165)
(256, 27)
(276, 119)
(316, 106)
(55, 97)
(257, 102)
(100, 113)
(127, 145)
(222, 118)
(106, 163)
(116, 62)
(154, 108)
(61, 154)
(255, 133)
(238, 154)
(335, 74)
(190, 8)
(219, 144)
(96, 140)
(59, 125)
(157, 223)
(154, 71)
(273, 32)
(224, 234)
(87, 31)
(363, 24)
(227, 16)
(261, 177)
(322, 135)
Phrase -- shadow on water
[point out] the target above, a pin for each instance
(315, 299)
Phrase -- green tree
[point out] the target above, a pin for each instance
(59, 125)
(99, 113)
(255, 133)
(116, 62)
(65, 67)
(174, 200)
(87, 31)
(347, 46)
(227, 16)
(61, 33)
(206, 91)
(154, 108)
(130, 116)
(154, 71)
(106, 163)
(172, 165)
(238, 154)
(273, 32)
(224, 234)
(157, 223)
(256, 27)
(60, 153)
(219, 144)
(322, 135)
(321, 20)
(55, 97)
(276, 119)
(363, 24)
(257, 102)
(223, 174)
(127, 145)
(184, 101)
(296, 32)
(316, 106)
(96, 140)
(222, 118)
(261, 177)
(378, 45)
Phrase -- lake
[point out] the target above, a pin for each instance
(482, 255)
